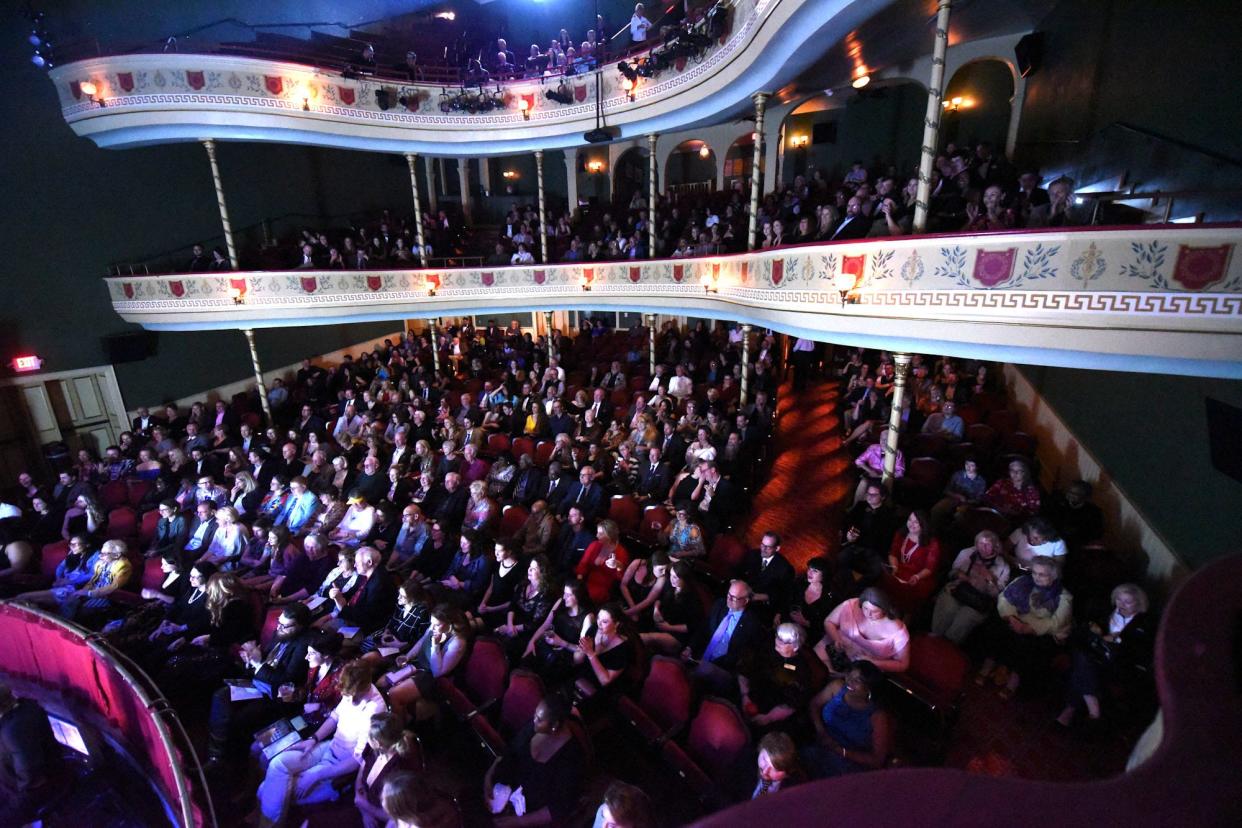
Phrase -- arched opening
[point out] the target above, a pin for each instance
(691, 168)
(978, 100)
(591, 170)
(879, 125)
(738, 160)
(630, 175)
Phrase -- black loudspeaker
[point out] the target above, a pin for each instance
(1029, 53)
(129, 347)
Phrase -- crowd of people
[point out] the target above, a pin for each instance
(340, 562)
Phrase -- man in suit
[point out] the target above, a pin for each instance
(653, 480)
(853, 225)
(290, 465)
(372, 483)
(144, 422)
(203, 463)
(770, 574)
(284, 662)
(555, 487)
(300, 507)
(719, 501)
(202, 530)
(369, 606)
(309, 421)
(586, 494)
(450, 506)
(248, 440)
(193, 439)
(732, 633)
(601, 408)
(571, 541)
(527, 482)
(262, 469)
(673, 448)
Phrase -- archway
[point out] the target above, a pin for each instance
(737, 165)
(980, 103)
(691, 167)
(591, 175)
(879, 125)
(629, 175)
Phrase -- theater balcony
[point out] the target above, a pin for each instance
(1135, 299)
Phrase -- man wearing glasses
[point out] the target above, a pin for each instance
(731, 634)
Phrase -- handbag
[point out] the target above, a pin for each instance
(967, 594)
(1101, 651)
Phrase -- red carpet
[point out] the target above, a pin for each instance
(807, 489)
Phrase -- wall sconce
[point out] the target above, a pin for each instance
(705, 152)
(595, 167)
(306, 104)
(524, 106)
(237, 296)
(845, 283)
(91, 91)
(957, 102)
(509, 175)
(628, 85)
(799, 141)
(709, 284)
(586, 283)
(861, 78)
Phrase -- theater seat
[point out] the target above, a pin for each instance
(716, 751)
(113, 494)
(663, 705)
(51, 555)
(122, 524)
(655, 518)
(511, 520)
(517, 708)
(936, 677)
(146, 530)
(723, 558)
(482, 681)
(624, 510)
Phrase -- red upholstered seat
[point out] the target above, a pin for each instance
(983, 436)
(498, 444)
(724, 557)
(482, 679)
(511, 520)
(122, 524)
(973, 521)
(523, 445)
(137, 491)
(654, 519)
(1019, 442)
(517, 707)
(51, 556)
(925, 445)
(146, 530)
(625, 511)
(113, 494)
(663, 706)
(715, 749)
(152, 574)
(1003, 420)
(543, 453)
(620, 398)
(937, 674)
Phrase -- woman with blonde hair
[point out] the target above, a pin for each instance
(1115, 649)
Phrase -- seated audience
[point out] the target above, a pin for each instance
(852, 731)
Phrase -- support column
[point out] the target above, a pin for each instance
(547, 328)
(543, 218)
(485, 177)
(209, 144)
(412, 160)
(931, 121)
(463, 179)
(652, 170)
(429, 167)
(258, 373)
(761, 99)
(742, 396)
(435, 345)
(901, 362)
(651, 332)
(571, 178)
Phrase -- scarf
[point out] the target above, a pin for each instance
(1027, 597)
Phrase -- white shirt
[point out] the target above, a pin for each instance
(638, 28)
(522, 257)
(680, 387)
(1024, 552)
(353, 723)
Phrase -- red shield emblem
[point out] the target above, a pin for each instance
(374, 283)
(433, 280)
(274, 84)
(1198, 267)
(679, 64)
(992, 267)
(129, 290)
(580, 93)
(636, 273)
(309, 283)
(75, 89)
(125, 80)
(854, 266)
(195, 80)
(745, 270)
(347, 94)
(715, 271)
(679, 272)
(530, 101)
(238, 285)
(488, 278)
(778, 271)
(588, 275)
(177, 288)
(539, 277)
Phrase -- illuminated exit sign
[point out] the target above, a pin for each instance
(23, 364)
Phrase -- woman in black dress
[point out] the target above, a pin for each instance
(494, 606)
(553, 645)
(603, 659)
(676, 615)
(544, 762)
(811, 599)
(531, 603)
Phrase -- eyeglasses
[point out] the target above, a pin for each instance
(733, 597)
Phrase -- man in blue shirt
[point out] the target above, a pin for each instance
(299, 507)
(732, 630)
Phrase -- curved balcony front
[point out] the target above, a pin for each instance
(145, 99)
(1162, 300)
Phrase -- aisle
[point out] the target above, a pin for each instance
(809, 484)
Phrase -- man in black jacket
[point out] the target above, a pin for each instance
(769, 574)
(369, 607)
(284, 662)
(732, 632)
(654, 479)
(29, 757)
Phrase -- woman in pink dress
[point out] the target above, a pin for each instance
(866, 628)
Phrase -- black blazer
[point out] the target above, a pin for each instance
(374, 603)
(290, 668)
(654, 483)
(591, 503)
(747, 636)
(775, 581)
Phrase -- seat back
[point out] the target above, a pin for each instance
(983, 436)
(522, 696)
(1004, 420)
(726, 554)
(718, 738)
(543, 453)
(486, 671)
(654, 519)
(146, 529)
(1019, 442)
(973, 521)
(113, 494)
(498, 443)
(511, 520)
(122, 523)
(51, 555)
(925, 445)
(926, 473)
(522, 445)
(138, 490)
(152, 574)
(625, 511)
(667, 693)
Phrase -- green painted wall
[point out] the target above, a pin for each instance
(1150, 432)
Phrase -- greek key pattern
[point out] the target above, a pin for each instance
(1158, 304)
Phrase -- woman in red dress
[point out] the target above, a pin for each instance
(912, 562)
(603, 563)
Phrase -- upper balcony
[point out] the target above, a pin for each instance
(1136, 299)
(142, 99)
